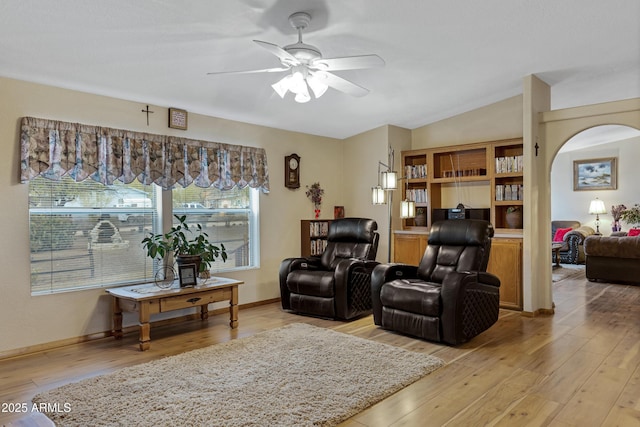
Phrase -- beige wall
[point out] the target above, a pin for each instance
(31, 320)
(362, 153)
(501, 120)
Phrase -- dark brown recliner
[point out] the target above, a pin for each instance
(338, 283)
(449, 297)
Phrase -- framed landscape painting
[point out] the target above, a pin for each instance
(595, 174)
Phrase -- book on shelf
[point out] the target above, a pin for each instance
(318, 246)
(415, 171)
(509, 164)
(509, 192)
(318, 228)
(418, 195)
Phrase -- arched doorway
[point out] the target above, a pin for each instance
(555, 129)
(571, 200)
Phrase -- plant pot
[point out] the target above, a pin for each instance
(421, 217)
(514, 219)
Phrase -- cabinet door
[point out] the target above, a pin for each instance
(409, 248)
(505, 261)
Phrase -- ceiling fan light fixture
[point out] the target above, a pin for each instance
(302, 97)
(297, 83)
(307, 70)
(282, 86)
(317, 86)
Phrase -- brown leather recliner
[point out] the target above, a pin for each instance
(449, 297)
(338, 283)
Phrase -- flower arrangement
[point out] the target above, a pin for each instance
(631, 215)
(616, 212)
(314, 193)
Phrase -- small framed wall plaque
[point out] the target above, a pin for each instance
(188, 275)
(177, 118)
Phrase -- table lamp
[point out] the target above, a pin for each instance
(596, 207)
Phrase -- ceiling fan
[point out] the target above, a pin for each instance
(308, 71)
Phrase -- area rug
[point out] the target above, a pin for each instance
(297, 375)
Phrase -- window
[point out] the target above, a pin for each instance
(229, 217)
(86, 235)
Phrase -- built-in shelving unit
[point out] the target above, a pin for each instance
(492, 168)
(416, 172)
(497, 164)
(508, 180)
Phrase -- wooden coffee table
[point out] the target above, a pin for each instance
(555, 248)
(148, 299)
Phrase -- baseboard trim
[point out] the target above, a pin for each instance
(24, 351)
(539, 312)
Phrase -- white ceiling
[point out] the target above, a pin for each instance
(442, 57)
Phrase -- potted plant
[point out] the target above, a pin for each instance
(188, 246)
(514, 217)
(631, 215)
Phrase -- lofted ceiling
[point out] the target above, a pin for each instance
(442, 57)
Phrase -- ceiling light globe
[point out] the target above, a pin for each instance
(302, 97)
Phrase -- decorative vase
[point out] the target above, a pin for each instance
(514, 219)
(317, 211)
(421, 217)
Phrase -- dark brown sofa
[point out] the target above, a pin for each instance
(612, 259)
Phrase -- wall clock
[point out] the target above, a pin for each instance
(292, 171)
(177, 118)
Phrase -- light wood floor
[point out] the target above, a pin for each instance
(579, 367)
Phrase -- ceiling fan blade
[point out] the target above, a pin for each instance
(348, 63)
(284, 56)
(340, 84)
(264, 70)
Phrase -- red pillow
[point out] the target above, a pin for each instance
(634, 232)
(560, 232)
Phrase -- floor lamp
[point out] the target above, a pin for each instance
(383, 194)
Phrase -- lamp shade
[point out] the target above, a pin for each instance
(378, 195)
(597, 207)
(389, 180)
(407, 209)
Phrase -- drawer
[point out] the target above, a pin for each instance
(134, 306)
(194, 299)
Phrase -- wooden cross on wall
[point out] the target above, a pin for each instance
(147, 111)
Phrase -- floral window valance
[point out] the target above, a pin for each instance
(53, 149)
